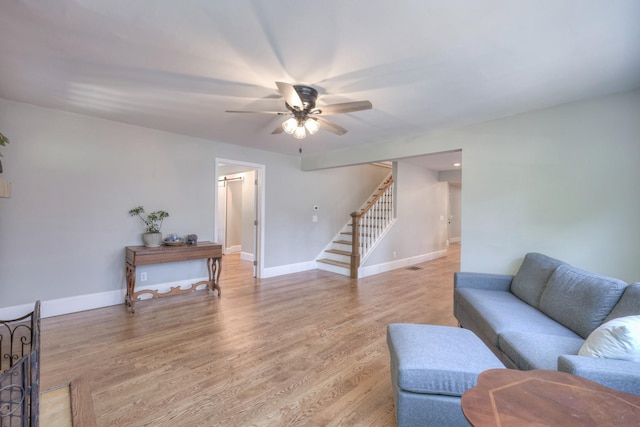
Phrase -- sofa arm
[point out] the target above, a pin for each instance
(486, 281)
(620, 375)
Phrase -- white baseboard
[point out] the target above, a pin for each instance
(246, 256)
(233, 249)
(333, 268)
(401, 263)
(288, 269)
(455, 240)
(363, 272)
(60, 306)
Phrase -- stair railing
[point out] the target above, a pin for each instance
(369, 223)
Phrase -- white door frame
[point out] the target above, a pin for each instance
(260, 214)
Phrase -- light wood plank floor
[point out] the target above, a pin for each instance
(305, 349)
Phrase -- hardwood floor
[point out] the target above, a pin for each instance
(305, 349)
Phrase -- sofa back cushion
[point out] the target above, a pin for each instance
(629, 304)
(532, 277)
(580, 300)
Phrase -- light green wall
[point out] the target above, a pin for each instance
(63, 231)
(562, 181)
(421, 200)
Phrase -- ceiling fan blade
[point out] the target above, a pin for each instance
(345, 107)
(330, 126)
(278, 113)
(290, 95)
(277, 130)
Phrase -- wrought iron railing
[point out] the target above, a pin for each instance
(20, 370)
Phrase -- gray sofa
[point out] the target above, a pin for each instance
(540, 318)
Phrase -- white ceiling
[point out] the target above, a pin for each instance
(425, 65)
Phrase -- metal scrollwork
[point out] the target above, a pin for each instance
(12, 399)
(19, 381)
(15, 340)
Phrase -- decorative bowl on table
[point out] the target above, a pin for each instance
(173, 241)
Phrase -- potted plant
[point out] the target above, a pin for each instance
(153, 222)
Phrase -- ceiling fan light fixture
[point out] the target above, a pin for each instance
(300, 105)
(312, 126)
(290, 125)
(299, 132)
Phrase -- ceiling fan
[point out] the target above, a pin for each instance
(306, 117)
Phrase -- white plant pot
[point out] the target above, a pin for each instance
(152, 240)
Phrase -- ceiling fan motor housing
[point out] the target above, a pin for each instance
(308, 96)
(300, 100)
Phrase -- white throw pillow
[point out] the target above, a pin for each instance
(617, 339)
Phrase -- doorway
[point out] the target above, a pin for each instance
(239, 211)
(454, 229)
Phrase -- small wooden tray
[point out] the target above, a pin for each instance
(176, 243)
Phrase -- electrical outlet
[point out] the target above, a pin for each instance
(143, 276)
(394, 254)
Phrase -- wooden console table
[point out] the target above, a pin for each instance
(141, 255)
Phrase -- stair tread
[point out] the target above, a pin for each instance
(361, 234)
(342, 242)
(338, 251)
(333, 262)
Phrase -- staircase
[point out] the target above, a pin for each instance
(345, 253)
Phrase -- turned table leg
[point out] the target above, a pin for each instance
(213, 266)
(131, 283)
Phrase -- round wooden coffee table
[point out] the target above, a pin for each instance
(508, 397)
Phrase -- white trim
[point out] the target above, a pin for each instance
(455, 240)
(16, 311)
(401, 263)
(261, 177)
(246, 256)
(343, 271)
(233, 249)
(60, 306)
(288, 269)
(378, 240)
(362, 272)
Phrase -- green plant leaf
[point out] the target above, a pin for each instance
(153, 221)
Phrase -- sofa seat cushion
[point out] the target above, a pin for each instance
(494, 312)
(532, 277)
(430, 359)
(580, 300)
(537, 351)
